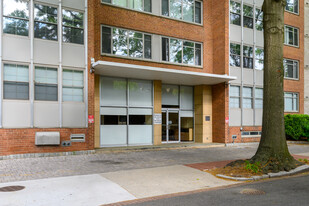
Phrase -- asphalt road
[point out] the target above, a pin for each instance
(291, 191)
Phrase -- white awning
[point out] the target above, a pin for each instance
(167, 76)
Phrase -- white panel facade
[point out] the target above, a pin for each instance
(156, 47)
(16, 114)
(248, 76)
(16, 48)
(248, 36)
(46, 52)
(248, 117)
(235, 117)
(236, 72)
(140, 134)
(73, 115)
(76, 4)
(46, 118)
(259, 77)
(54, 2)
(259, 39)
(156, 7)
(235, 33)
(258, 117)
(73, 55)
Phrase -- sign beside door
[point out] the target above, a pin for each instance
(157, 118)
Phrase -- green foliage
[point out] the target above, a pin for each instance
(297, 126)
(254, 168)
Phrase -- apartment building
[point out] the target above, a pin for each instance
(306, 67)
(79, 75)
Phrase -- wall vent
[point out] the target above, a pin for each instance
(47, 138)
(78, 137)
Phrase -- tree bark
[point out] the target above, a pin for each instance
(273, 153)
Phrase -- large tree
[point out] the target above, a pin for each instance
(273, 153)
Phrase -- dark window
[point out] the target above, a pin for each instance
(106, 39)
(140, 119)
(147, 6)
(73, 27)
(107, 1)
(235, 55)
(165, 7)
(16, 90)
(248, 57)
(198, 12)
(165, 49)
(113, 120)
(147, 46)
(46, 92)
(198, 54)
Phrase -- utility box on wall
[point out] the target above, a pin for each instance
(47, 138)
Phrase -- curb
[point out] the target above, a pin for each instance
(300, 169)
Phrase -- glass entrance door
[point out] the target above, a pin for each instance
(170, 126)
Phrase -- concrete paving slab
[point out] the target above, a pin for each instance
(92, 190)
(164, 180)
(303, 154)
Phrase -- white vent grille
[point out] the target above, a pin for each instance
(77, 137)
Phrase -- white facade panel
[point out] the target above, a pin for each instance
(73, 55)
(235, 117)
(248, 117)
(248, 36)
(259, 39)
(156, 46)
(46, 114)
(259, 3)
(75, 4)
(46, 52)
(117, 132)
(258, 117)
(16, 114)
(140, 134)
(73, 114)
(259, 74)
(248, 76)
(113, 111)
(54, 2)
(16, 48)
(236, 72)
(235, 33)
(156, 7)
(248, 2)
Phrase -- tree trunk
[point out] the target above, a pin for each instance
(273, 153)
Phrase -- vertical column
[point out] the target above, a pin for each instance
(203, 113)
(31, 79)
(241, 62)
(157, 109)
(1, 72)
(97, 114)
(86, 60)
(60, 63)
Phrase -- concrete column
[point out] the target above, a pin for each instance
(97, 116)
(203, 113)
(157, 109)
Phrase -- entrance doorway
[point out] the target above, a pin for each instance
(170, 126)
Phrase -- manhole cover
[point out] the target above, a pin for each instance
(252, 192)
(11, 188)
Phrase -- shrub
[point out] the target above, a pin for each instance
(296, 126)
(254, 168)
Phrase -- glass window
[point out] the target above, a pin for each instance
(235, 13)
(235, 55)
(291, 35)
(136, 4)
(292, 6)
(113, 120)
(187, 10)
(234, 97)
(186, 97)
(15, 81)
(170, 95)
(45, 22)
(259, 58)
(248, 16)
(140, 93)
(180, 51)
(73, 26)
(126, 43)
(291, 102)
(73, 85)
(258, 19)
(113, 91)
(247, 97)
(290, 68)
(258, 98)
(248, 57)
(139, 5)
(46, 84)
(16, 17)
(140, 119)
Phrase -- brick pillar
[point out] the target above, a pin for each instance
(157, 134)
(97, 116)
(203, 113)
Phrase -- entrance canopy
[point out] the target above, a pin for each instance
(169, 76)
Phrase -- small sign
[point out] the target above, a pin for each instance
(90, 118)
(226, 120)
(157, 118)
(207, 118)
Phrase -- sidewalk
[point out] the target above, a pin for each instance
(118, 186)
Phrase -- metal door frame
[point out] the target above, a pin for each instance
(167, 111)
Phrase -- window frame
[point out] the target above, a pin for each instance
(257, 20)
(293, 97)
(235, 97)
(46, 84)
(65, 86)
(128, 54)
(18, 18)
(255, 57)
(191, 22)
(243, 97)
(239, 14)
(258, 98)
(287, 44)
(248, 57)
(127, 7)
(62, 25)
(293, 12)
(240, 60)
(183, 40)
(43, 4)
(249, 17)
(289, 78)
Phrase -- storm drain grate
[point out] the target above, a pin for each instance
(252, 192)
(11, 188)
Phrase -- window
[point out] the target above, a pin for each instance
(234, 97)
(187, 10)
(254, 133)
(46, 84)
(235, 13)
(140, 5)
(247, 97)
(73, 27)
(127, 43)
(248, 57)
(248, 16)
(235, 55)
(259, 58)
(292, 6)
(73, 85)
(290, 35)
(113, 120)
(290, 102)
(290, 68)
(140, 119)
(258, 98)
(15, 81)
(16, 17)
(258, 19)
(45, 22)
(181, 51)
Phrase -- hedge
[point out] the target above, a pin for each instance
(297, 126)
